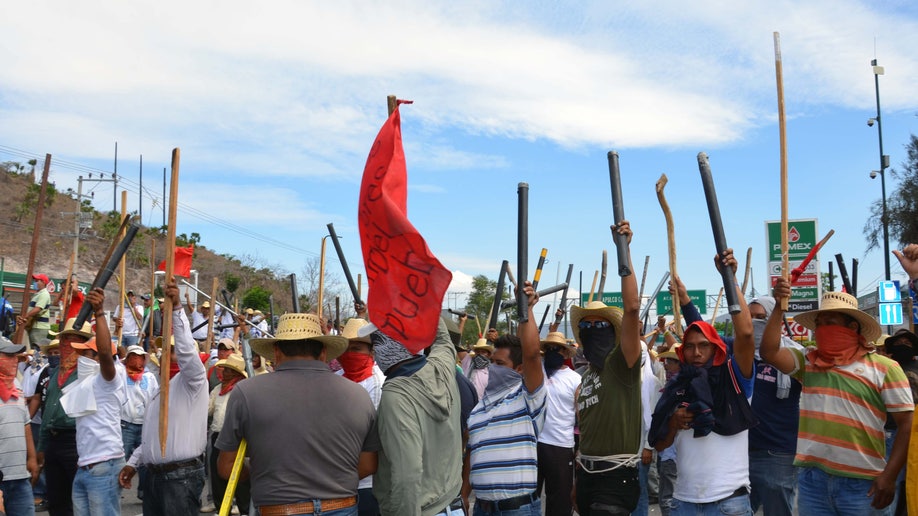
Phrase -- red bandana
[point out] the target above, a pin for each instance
(837, 346)
(8, 367)
(357, 366)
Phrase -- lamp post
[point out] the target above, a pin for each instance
(884, 164)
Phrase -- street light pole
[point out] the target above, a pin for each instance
(884, 163)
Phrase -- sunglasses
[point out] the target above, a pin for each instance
(552, 348)
(593, 324)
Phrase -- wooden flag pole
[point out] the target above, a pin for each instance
(359, 286)
(602, 276)
(392, 104)
(36, 233)
(122, 273)
(782, 131)
(210, 319)
(165, 360)
(671, 246)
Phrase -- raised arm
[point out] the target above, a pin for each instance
(631, 338)
(771, 349)
(96, 298)
(529, 337)
(743, 339)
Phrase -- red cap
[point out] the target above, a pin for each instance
(41, 277)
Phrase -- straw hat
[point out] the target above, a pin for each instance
(351, 328)
(84, 331)
(483, 344)
(205, 304)
(300, 327)
(556, 338)
(54, 344)
(599, 309)
(845, 304)
(234, 362)
(670, 353)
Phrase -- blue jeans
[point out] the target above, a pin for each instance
(819, 493)
(735, 506)
(643, 504)
(17, 496)
(96, 491)
(130, 436)
(667, 470)
(531, 509)
(39, 490)
(774, 482)
(129, 340)
(173, 493)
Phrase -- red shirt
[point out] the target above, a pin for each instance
(76, 302)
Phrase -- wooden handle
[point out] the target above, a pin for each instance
(748, 269)
(593, 288)
(166, 310)
(782, 132)
(671, 247)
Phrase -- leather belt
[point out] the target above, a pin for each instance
(307, 507)
(508, 504)
(172, 466)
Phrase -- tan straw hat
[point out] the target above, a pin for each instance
(350, 330)
(300, 327)
(845, 304)
(599, 309)
(483, 344)
(84, 331)
(556, 338)
(234, 362)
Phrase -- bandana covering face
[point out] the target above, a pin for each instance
(68, 363)
(597, 344)
(554, 361)
(388, 351)
(837, 346)
(499, 379)
(357, 366)
(480, 362)
(54, 361)
(8, 367)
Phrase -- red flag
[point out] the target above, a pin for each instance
(182, 265)
(406, 281)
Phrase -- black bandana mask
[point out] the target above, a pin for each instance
(597, 344)
(480, 362)
(554, 361)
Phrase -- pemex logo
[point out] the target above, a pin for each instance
(793, 235)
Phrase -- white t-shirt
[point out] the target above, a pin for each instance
(137, 396)
(130, 328)
(197, 318)
(559, 408)
(98, 435)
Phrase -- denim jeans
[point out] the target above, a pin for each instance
(130, 436)
(174, 493)
(39, 490)
(819, 493)
(733, 506)
(129, 340)
(774, 482)
(96, 491)
(643, 505)
(531, 509)
(17, 496)
(667, 470)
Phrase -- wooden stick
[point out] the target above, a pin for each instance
(748, 269)
(593, 288)
(782, 131)
(720, 296)
(391, 103)
(122, 273)
(359, 286)
(210, 319)
(68, 289)
(165, 360)
(671, 246)
(36, 233)
(602, 276)
(321, 282)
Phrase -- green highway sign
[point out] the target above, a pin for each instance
(699, 299)
(609, 298)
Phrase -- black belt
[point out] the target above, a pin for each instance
(508, 504)
(56, 432)
(742, 491)
(172, 466)
(601, 465)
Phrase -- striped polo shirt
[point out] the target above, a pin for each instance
(502, 443)
(842, 413)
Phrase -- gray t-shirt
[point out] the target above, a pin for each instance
(14, 416)
(305, 427)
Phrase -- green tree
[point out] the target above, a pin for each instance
(824, 279)
(30, 200)
(231, 281)
(901, 205)
(479, 304)
(257, 298)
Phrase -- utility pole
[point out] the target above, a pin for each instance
(140, 193)
(115, 180)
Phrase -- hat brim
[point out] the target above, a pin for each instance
(609, 313)
(226, 365)
(66, 333)
(335, 345)
(870, 328)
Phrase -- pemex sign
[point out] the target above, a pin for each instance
(802, 236)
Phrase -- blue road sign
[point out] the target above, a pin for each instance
(889, 292)
(890, 314)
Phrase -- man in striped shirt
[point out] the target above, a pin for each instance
(848, 391)
(504, 426)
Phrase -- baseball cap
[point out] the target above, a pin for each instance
(135, 349)
(7, 346)
(41, 277)
(145, 297)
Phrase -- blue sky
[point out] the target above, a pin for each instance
(275, 108)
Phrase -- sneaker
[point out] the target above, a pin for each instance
(41, 506)
(208, 508)
(234, 510)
